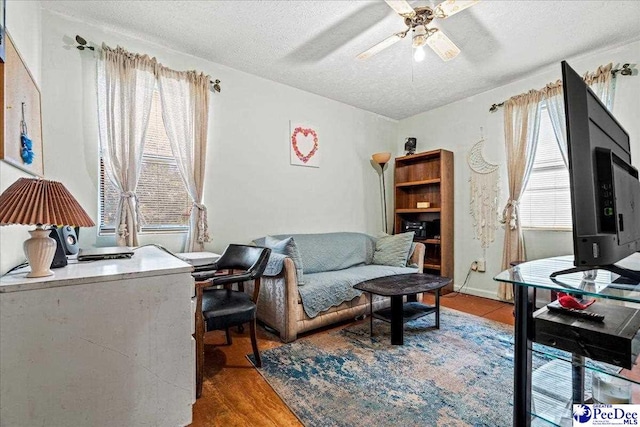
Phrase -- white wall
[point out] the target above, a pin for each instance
(25, 27)
(251, 189)
(456, 127)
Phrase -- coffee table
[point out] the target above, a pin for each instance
(397, 287)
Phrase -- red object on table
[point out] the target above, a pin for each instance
(567, 301)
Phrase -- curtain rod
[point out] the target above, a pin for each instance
(624, 71)
(82, 45)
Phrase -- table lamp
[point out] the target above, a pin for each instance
(382, 159)
(40, 202)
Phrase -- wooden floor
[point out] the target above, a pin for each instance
(234, 393)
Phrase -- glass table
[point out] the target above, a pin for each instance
(577, 346)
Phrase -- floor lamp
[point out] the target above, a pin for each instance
(381, 159)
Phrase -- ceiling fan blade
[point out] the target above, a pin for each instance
(443, 46)
(451, 7)
(382, 45)
(401, 7)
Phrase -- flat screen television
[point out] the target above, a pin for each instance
(605, 190)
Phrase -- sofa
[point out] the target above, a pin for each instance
(332, 263)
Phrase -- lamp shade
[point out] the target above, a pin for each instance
(381, 158)
(32, 201)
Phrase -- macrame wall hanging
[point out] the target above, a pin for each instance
(484, 194)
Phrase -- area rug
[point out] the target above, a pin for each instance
(458, 375)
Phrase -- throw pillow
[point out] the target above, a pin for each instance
(287, 247)
(393, 250)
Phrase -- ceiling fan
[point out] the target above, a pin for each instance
(418, 20)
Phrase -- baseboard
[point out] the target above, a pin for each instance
(484, 293)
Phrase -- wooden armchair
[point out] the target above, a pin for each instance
(220, 309)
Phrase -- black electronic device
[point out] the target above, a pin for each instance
(102, 253)
(66, 244)
(612, 341)
(605, 190)
(69, 238)
(59, 258)
(419, 228)
(410, 145)
(433, 229)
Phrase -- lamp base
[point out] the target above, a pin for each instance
(39, 250)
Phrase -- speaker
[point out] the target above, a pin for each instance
(433, 229)
(60, 258)
(69, 238)
(410, 145)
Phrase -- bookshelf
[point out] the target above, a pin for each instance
(427, 177)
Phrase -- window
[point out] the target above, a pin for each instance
(546, 202)
(165, 204)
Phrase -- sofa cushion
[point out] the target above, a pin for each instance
(333, 251)
(327, 289)
(289, 248)
(330, 251)
(393, 250)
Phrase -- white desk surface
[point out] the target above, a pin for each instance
(146, 261)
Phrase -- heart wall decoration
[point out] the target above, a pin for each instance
(304, 144)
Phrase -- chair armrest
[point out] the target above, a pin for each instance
(418, 257)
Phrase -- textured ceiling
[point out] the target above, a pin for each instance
(312, 45)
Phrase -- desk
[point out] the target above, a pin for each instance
(535, 274)
(103, 343)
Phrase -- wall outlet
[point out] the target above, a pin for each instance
(474, 266)
(482, 265)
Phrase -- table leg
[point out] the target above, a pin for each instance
(370, 315)
(577, 378)
(522, 357)
(438, 308)
(397, 326)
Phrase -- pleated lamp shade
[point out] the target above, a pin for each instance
(32, 201)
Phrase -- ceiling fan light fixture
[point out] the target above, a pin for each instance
(419, 36)
(419, 54)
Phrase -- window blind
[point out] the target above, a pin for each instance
(164, 201)
(546, 201)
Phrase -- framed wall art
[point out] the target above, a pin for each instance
(3, 26)
(304, 144)
(21, 141)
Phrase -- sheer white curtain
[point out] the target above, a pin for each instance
(601, 82)
(521, 126)
(185, 112)
(125, 90)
